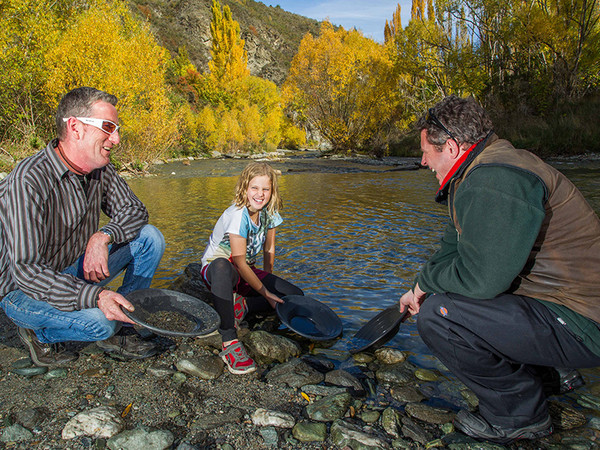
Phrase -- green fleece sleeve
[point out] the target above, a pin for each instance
(500, 211)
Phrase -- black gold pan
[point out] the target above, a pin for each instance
(377, 331)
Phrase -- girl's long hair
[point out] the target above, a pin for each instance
(258, 169)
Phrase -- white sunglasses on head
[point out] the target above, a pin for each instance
(102, 124)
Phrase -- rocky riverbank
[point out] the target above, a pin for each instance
(303, 396)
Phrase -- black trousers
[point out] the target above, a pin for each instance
(223, 277)
(496, 347)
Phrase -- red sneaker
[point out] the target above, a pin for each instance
(236, 358)
(240, 308)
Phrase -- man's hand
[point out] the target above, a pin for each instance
(412, 300)
(110, 304)
(95, 263)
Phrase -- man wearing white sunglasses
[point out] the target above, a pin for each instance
(55, 261)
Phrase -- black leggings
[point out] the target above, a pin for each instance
(223, 277)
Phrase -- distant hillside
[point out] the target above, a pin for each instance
(272, 35)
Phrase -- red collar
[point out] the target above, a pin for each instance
(456, 165)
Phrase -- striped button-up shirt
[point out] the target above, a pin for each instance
(46, 220)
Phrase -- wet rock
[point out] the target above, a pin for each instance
(178, 379)
(270, 436)
(30, 371)
(101, 422)
(344, 434)
(400, 373)
(266, 348)
(323, 391)
(343, 378)
(369, 416)
(267, 418)
(160, 371)
(295, 373)
(390, 421)
(59, 372)
(329, 408)
(310, 431)
(204, 422)
(589, 401)
(415, 431)
(16, 433)
(565, 417)
(363, 358)
(429, 414)
(22, 363)
(141, 439)
(470, 398)
(30, 417)
(426, 375)
(406, 394)
(388, 355)
(321, 364)
(207, 367)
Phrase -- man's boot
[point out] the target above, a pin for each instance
(45, 354)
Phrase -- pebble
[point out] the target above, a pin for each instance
(429, 414)
(59, 372)
(390, 355)
(406, 394)
(266, 347)
(31, 371)
(399, 373)
(310, 431)
(16, 433)
(206, 367)
(267, 418)
(329, 408)
(141, 439)
(426, 375)
(344, 379)
(270, 436)
(295, 373)
(344, 434)
(101, 422)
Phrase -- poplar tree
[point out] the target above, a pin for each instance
(229, 57)
(394, 27)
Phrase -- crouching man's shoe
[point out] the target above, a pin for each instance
(128, 347)
(45, 355)
(477, 427)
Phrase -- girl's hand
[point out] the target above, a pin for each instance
(272, 299)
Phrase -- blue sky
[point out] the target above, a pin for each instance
(369, 16)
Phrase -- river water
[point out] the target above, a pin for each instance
(354, 235)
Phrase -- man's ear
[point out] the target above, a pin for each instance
(455, 150)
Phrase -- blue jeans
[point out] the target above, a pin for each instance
(139, 258)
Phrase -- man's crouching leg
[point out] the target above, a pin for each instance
(464, 334)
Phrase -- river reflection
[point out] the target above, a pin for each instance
(352, 240)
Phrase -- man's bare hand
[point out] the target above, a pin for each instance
(412, 300)
(110, 303)
(95, 263)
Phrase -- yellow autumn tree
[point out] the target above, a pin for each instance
(229, 57)
(28, 30)
(105, 47)
(342, 85)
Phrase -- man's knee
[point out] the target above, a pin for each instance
(98, 327)
(153, 238)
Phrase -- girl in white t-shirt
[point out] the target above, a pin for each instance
(242, 231)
